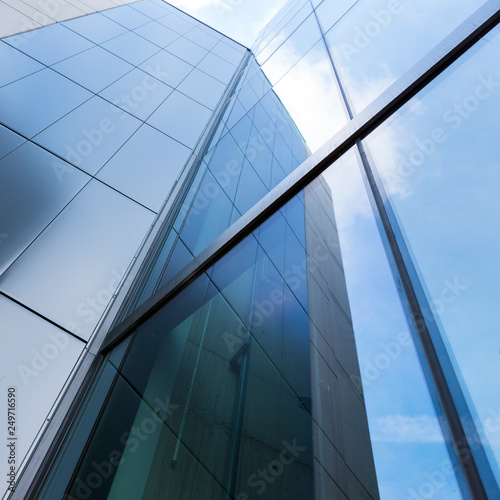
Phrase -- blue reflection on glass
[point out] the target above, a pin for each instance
(95, 27)
(181, 118)
(126, 16)
(158, 34)
(90, 135)
(137, 93)
(50, 44)
(9, 141)
(167, 68)
(131, 47)
(15, 64)
(82, 68)
(31, 104)
(146, 167)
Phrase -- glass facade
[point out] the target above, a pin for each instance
(313, 314)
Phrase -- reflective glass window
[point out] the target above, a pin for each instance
(295, 47)
(217, 67)
(246, 198)
(95, 27)
(373, 47)
(146, 167)
(438, 159)
(137, 93)
(33, 103)
(150, 9)
(167, 68)
(9, 141)
(177, 23)
(202, 88)
(187, 50)
(181, 118)
(330, 12)
(202, 38)
(156, 33)
(15, 64)
(131, 47)
(320, 112)
(50, 44)
(90, 135)
(230, 54)
(126, 16)
(81, 68)
(208, 215)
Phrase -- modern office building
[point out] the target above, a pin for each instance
(238, 274)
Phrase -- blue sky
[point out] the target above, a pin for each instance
(241, 20)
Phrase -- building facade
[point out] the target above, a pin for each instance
(195, 306)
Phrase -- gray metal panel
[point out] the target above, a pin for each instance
(72, 270)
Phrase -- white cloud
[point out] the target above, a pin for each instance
(407, 429)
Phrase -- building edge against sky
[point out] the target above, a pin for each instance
(442, 292)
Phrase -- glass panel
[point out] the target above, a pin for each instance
(31, 104)
(146, 167)
(285, 33)
(137, 93)
(202, 88)
(90, 135)
(95, 27)
(69, 274)
(295, 47)
(227, 53)
(34, 187)
(438, 159)
(50, 44)
(330, 12)
(178, 24)
(37, 359)
(158, 34)
(208, 215)
(15, 64)
(202, 38)
(167, 68)
(150, 9)
(217, 67)
(373, 47)
(126, 16)
(404, 426)
(320, 111)
(132, 48)
(9, 141)
(181, 118)
(187, 50)
(81, 68)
